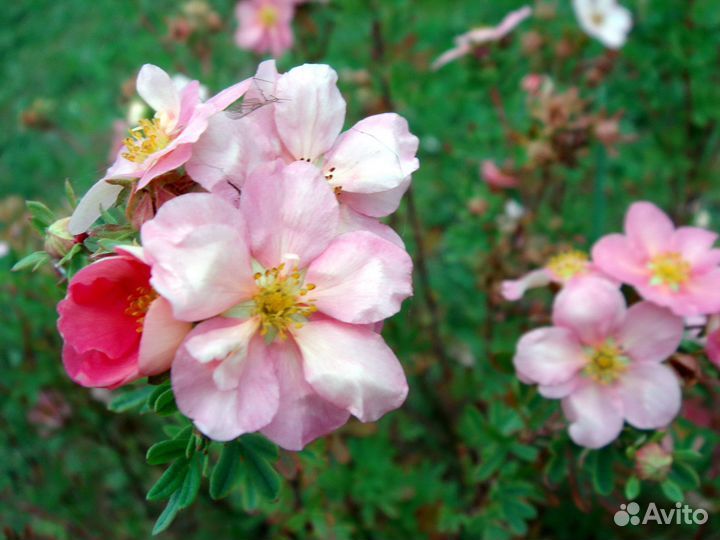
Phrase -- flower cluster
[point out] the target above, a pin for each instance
(605, 360)
(262, 279)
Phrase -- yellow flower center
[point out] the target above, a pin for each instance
(597, 18)
(145, 139)
(669, 269)
(607, 362)
(281, 301)
(568, 264)
(138, 304)
(268, 16)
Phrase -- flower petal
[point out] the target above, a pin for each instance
(350, 221)
(380, 204)
(549, 356)
(650, 395)
(594, 414)
(157, 90)
(161, 337)
(650, 333)
(360, 278)
(168, 162)
(98, 198)
(310, 112)
(648, 228)
(515, 289)
(352, 367)
(95, 369)
(615, 256)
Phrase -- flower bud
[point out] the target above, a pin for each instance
(58, 240)
(653, 462)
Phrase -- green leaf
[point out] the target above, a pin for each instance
(156, 393)
(685, 476)
(169, 481)
(70, 193)
(686, 455)
(70, 254)
(165, 403)
(42, 215)
(632, 488)
(130, 400)
(168, 515)
(225, 474)
(34, 260)
(257, 452)
(166, 451)
(524, 451)
(672, 491)
(191, 483)
(601, 467)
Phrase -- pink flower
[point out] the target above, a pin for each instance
(676, 268)
(265, 25)
(298, 116)
(116, 328)
(561, 268)
(465, 43)
(290, 347)
(604, 361)
(532, 83)
(712, 344)
(495, 177)
(157, 145)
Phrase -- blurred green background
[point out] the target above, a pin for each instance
(471, 453)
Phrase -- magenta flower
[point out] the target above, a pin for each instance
(265, 25)
(604, 361)
(290, 347)
(158, 145)
(676, 268)
(116, 328)
(298, 116)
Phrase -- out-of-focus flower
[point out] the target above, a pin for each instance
(265, 25)
(465, 43)
(115, 327)
(532, 83)
(604, 361)
(605, 20)
(495, 177)
(676, 268)
(157, 145)
(50, 412)
(195, 17)
(561, 269)
(712, 343)
(291, 349)
(4, 249)
(509, 220)
(653, 462)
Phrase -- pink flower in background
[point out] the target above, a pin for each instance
(298, 116)
(562, 268)
(712, 343)
(676, 268)
(495, 177)
(533, 83)
(290, 347)
(465, 43)
(265, 25)
(158, 145)
(115, 327)
(604, 361)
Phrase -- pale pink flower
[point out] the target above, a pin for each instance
(605, 20)
(465, 43)
(290, 347)
(265, 25)
(158, 145)
(676, 268)
(115, 327)
(712, 342)
(604, 361)
(561, 269)
(492, 174)
(298, 116)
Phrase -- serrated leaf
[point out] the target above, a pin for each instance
(34, 260)
(191, 483)
(168, 515)
(225, 474)
(166, 451)
(169, 481)
(130, 400)
(672, 491)
(632, 488)
(257, 452)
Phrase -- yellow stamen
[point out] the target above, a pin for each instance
(138, 304)
(669, 269)
(268, 16)
(146, 139)
(597, 18)
(607, 362)
(568, 264)
(280, 301)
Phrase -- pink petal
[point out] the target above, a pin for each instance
(224, 415)
(200, 258)
(648, 228)
(650, 333)
(302, 414)
(189, 100)
(592, 308)
(513, 290)
(352, 367)
(492, 174)
(360, 278)
(650, 395)
(291, 211)
(94, 369)
(615, 256)
(559, 391)
(712, 347)
(451, 55)
(595, 416)
(227, 97)
(98, 198)
(157, 90)
(310, 112)
(161, 337)
(375, 155)
(699, 296)
(549, 356)
(380, 204)
(695, 246)
(169, 162)
(351, 221)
